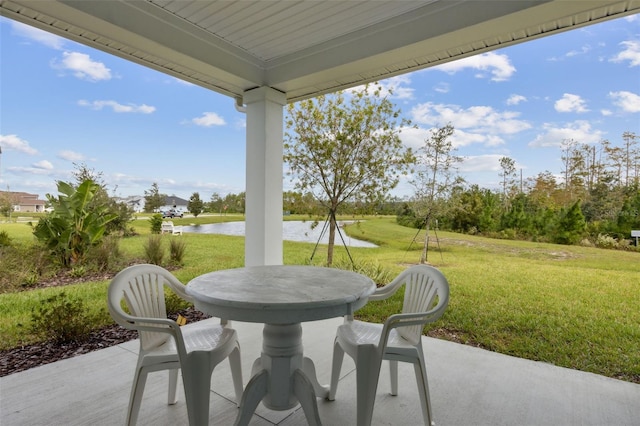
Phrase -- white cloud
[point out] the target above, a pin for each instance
(481, 163)
(416, 137)
(570, 103)
(83, 67)
(179, 81)
(585, 49)
(497, 64)
(475, 119)
(631, 53)
(71, 155)
(606, 112)
(442, 88)
(35, 169)
(393, 87)
(209, 119)
(461, 138)
(39, 36)
(627, 101)
(117, 107)
(580, 131)
(516, 99)
(15, 143)
(43, 165)
(398, 86)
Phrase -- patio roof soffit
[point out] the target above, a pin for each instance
(223, 46)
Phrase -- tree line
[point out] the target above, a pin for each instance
(595, 198)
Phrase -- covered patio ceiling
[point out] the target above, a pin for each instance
(268, 53)
(303, 48)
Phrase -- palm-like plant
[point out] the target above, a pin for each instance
(75, 224)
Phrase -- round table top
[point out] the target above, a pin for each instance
(280, 294)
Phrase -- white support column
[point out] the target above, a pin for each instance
(263, 204)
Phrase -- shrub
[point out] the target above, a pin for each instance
(153, 250)
(61, 318)
(156, 223)
(176, 250)
(607, 242)
(23, 265)
(78, 271)
(5, 240)
(586, 242)
(508, 234)
(30, 279)
(174, 303)
(106, 255)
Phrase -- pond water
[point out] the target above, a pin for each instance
(291, 231)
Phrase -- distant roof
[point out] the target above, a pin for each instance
(304, 48)
(173, 200)
(23, 198)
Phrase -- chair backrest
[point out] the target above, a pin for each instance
(426, 290)
(142, 289)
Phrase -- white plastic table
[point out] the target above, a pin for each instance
(281, 297)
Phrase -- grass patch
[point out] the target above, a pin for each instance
(576, 307)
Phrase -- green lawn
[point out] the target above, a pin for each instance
(571, 306)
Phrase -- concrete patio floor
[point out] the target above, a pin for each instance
(469, 386)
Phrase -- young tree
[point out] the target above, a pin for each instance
(434, 179)
(153, 199)
(544, 191)
(196, 205)
(6, 204)
(574, 170)
(216, 202)
(508, 174)
(234, 203)
(345, 146)
(631, 157)
(571, 225)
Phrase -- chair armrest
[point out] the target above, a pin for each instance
(181, 290)
(406, 320)
(389, 289)
(160, 325)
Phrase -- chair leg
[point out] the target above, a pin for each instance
(367, 375)
(196, 378)
(137, 389)
(423, 389)
(393, 373)
(236, 373)
(336, 366)
(173, 385)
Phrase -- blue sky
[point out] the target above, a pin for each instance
(62, 102)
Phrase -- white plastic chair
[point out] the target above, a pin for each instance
(398, 339)
(195, 348)
(169, 228)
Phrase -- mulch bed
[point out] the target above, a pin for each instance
(30, 356)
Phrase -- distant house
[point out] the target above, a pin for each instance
(23, 201)
(135, 202)
(174, 202)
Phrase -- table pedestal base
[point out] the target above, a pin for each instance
(282, 377)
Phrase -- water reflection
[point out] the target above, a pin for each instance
(292, 231)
